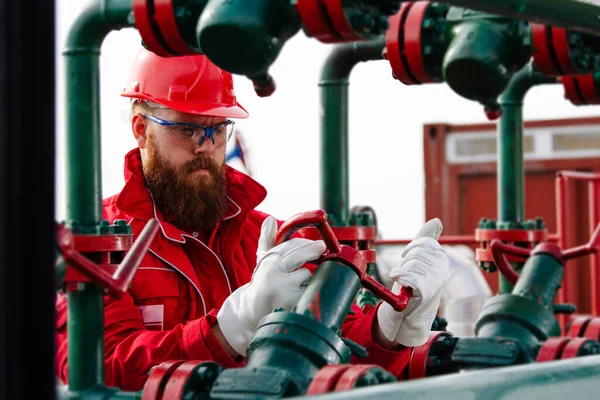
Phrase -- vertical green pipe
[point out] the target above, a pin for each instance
(334, 150)
(84, 180)
(334, 82)
(510, 164)
(86, 340)
(511, 172)
(84, 195)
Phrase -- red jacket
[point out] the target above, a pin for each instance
(182, 282)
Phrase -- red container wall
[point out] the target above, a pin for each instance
(460, 194)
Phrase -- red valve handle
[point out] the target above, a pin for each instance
(343, 254)
(500, 250)
(593, 246)
(118, 283)
(318, 219)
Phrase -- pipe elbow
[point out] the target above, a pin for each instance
(526, 78)
(344, 57)
(95, 22)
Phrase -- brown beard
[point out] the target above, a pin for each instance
(190, 202)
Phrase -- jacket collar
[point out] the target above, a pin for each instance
(243, 192)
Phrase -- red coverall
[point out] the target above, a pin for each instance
(182, 282)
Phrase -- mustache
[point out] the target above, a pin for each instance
(200, 162)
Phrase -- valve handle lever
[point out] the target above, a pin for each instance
(343, 254)
(126, 270)
(590, 247)
(118, 283)
(500, 250)
(398, 302)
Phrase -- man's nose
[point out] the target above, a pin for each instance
(206, 146)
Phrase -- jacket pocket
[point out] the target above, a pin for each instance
(156, 293)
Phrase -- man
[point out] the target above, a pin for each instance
(213, 272)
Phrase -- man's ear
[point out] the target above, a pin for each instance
(138, 128)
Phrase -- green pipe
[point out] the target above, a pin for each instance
(86, 339)
(84, 195)
(511, 173)
(82, 68)
(556, 380)
(97, 392)
(334, 82)
(580, 15)
(329, 295)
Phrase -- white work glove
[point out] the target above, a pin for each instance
(277, 282)
(424, 268)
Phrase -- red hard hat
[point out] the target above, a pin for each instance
(190, 84)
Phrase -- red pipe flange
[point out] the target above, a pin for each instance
(349, 378)
(341, 377)
(413, 41)
(158, 379)
(552, 349)
(394, 44)
(165, 18)
(417, 367)
(316, 21)
(573, 348)
(578, 324)
(554, 50)
(593, 330)
(150, 33)
(563, 51)
(485, 237)
(338, 19)
(589, 91)
(572, 92)
(542, 55)
(176, 384)
(581, 89)
(326, 379)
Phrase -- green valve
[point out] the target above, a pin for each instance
(105, 228)
(485, 52)
(539, 223)
(529, 225)
(245, 37)
(121, 227)
(507, 225)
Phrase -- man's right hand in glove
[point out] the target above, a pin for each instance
(277, 282)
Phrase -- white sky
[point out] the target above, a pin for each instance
(282, 133)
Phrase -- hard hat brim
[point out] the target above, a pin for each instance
(205, 109)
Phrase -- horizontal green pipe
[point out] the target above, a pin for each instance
(577, 378)
(581, 15)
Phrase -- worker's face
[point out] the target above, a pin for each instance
(186, 181)
(179, 150)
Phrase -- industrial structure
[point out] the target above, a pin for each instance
(530, 340)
